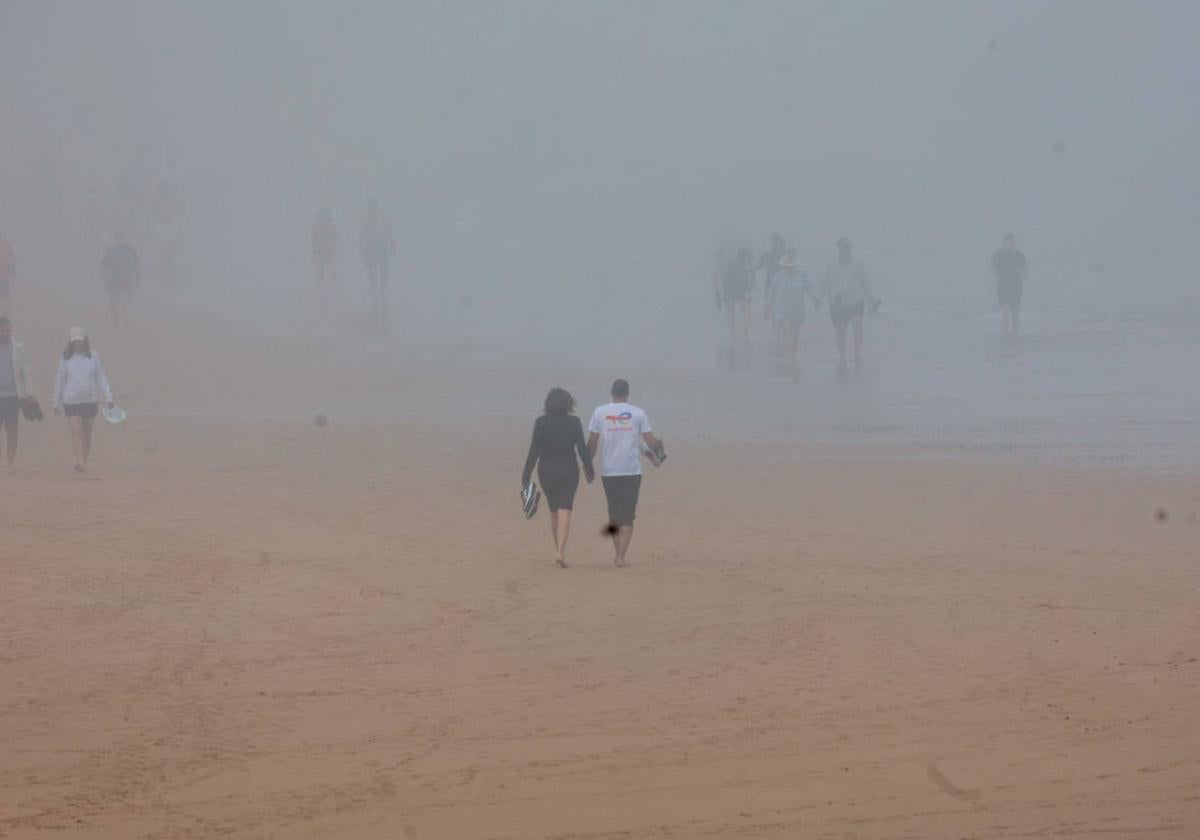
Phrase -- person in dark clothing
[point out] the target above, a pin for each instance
(1009, 266)
(122, 278)
(557, 437)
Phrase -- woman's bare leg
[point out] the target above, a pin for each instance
(841, 343)
(76, 424)
(86, 433)
(561, 532)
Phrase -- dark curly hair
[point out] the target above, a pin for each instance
(559, 401)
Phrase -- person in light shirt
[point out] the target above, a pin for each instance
(850, 298)
(618, 429)
(79, 387)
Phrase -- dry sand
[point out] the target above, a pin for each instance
(259, 630)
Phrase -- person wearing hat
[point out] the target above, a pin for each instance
(786, 306)
(849, 295)
(14, 385)
(79, 386)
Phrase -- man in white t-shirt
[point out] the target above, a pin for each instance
(622, 427)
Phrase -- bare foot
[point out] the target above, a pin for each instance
(79, 468)
(562, 563)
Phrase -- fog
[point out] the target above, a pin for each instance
(558, 176)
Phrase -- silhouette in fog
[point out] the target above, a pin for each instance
(8, 271)
(169, 215)
(15, 386)
(769, 261)
(324, 252)
(849, 295)
(557, 437)
(79, 387)
(378, 246)
(122, 278)
(1009, 266)
(787, 305)
(621, 427)
(737, 288)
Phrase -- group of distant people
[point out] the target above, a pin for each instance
(787, 291)
(378, 246)
(620, 431)
(845, 287)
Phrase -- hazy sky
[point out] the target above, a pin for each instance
(620, 127)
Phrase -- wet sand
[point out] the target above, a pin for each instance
(254, 629)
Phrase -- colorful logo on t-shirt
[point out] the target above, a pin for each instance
(620, 422)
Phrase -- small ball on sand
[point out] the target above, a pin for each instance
(1161, 514)
(321, 420)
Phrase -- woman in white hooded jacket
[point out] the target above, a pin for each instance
(79, 387)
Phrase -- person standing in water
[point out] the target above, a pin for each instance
(122, 278)
(1009, 266)
(557, 437)
(379, 246)
(79, 387)
(15, 388)
(787, 306)
(849, 295)
(324, 251)
(621, 427)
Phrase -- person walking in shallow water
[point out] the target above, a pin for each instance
(1009, 266)
(849, 295)
(79, 387)
(557, 437)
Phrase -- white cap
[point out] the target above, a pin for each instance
(77, 334)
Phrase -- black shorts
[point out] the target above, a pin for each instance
(841, 313)
(10, 411)
(1008, 293)
(559, 483)
(622, 494)
(87, 411)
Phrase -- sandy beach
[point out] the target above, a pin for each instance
(265, 629)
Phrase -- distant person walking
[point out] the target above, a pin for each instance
(768, 263)
(8, 271)
(736, 290)
(324, 252)
(15, 388)
(1009, 266)
(79, 387)
(122, 278)
(787, 305)
(619, 429)
(849, 295)
(557, 438)
(378, 246)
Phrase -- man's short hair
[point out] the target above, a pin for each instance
(620, 389)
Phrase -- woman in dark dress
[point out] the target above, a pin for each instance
(557, 437)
